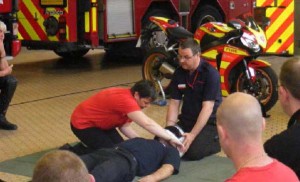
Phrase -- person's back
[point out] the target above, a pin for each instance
(241, 139)
(273, 172)
(61, 166)
(150, 154)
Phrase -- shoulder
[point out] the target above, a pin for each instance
(180, 71)
(205, 66)
(284, 171)
(116, 91)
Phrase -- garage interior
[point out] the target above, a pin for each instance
(49, 88)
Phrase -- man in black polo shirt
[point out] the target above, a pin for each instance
(154, 160)
(285, 146)
(197, 84)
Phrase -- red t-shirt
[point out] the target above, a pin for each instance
(274, 172)
(107, 109)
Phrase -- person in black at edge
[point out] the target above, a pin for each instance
(197, 84)
(285, 146)
(8, 84)
(153, 160)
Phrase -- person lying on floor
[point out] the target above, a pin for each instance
(151, 159)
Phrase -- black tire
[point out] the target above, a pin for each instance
(205, 14)
(151, 34)
(265, 86)
(150, 70)
(72, 54)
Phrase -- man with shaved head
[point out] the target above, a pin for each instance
(240, 125)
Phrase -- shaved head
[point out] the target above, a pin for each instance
(240, 115)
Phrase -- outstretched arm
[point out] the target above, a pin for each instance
(128, 131)
(150, 125)
(162, 173)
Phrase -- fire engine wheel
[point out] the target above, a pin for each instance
(72, 54)
(205, 14)
(264, 87)
(150, 70)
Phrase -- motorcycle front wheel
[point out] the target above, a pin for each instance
(151, 68)
(264, 88)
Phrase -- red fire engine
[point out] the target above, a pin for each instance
(72, 27)
(8, 10)
(280, 33)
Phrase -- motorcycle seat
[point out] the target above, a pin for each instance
(179, 33)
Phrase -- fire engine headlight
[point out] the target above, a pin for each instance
(51, 26)
(250, 42)
(15, 28)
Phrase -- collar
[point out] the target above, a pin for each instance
(202, 62)
(295, 119)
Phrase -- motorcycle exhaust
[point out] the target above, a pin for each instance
(167, 70)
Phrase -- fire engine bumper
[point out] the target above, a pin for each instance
(48, 45)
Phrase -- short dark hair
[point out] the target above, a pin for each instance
(60, 166)
(145, 88)
(191, 44)
(289, 76)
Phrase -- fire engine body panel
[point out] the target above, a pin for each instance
(280, 32)
(47, 22)
(73, 25)
(8, 9)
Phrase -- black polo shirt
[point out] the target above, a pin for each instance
(202, 85)
(285, 146)
(151, 155)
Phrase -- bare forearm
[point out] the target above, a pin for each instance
(4, 72)
(128, 131)
(157, 130)
(4, 67)
(148, 124)
(203, 117)
(173, 111)
(162, 173)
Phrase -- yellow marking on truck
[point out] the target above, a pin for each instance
(30, 31)
(87, 21)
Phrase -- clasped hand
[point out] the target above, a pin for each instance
(188, 139)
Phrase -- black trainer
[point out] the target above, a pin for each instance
(65, 147)
(6, 125)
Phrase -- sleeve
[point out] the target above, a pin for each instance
(172, 157)
(212, 86)
(275, 145)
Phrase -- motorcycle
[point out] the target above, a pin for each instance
(232, 48)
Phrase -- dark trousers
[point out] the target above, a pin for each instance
(111, 165)
(206, 143)
(95, 138)
(8, 85)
